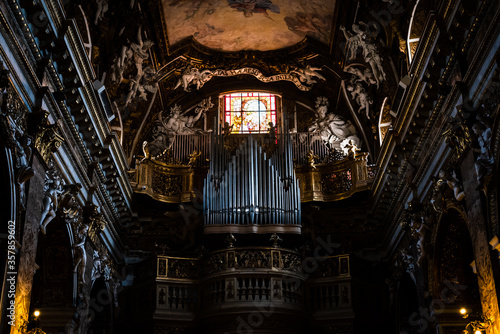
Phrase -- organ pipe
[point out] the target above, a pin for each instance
(248, 187)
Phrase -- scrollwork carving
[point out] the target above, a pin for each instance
(13, 124)
(47, 139)
(168, 185)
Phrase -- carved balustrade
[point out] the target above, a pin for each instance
(335, 180)
(243, 278)
(329, 289)
(323, 175)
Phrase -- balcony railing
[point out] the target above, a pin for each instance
(242, 278)
(175, 177)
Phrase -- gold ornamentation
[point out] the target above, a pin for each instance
(169, 185)
(47, 139)
(336, 182)
(457, 136)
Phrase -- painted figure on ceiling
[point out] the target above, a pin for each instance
(248, 7)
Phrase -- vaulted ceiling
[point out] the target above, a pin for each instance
(236, 25)
(271, 36)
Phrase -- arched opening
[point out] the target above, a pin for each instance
(407, 305)
(53, 286)
(455, 284)
(101, 308)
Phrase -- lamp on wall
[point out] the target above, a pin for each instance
(32, 324)
(478, 326)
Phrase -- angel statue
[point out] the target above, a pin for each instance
(362, 38)
(136, 51)
(175, 123)
(331, 127)
(353, 41)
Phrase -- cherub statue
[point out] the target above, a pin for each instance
(311, 159)
(306, 74)
(193, 76)
(361, 76)
(21, 143)
(230, 240)
(349, 147)
(24, 151)
(361, 97)
(446, 186)
(456, 185)
(419, 230)
(68, 206)
(193, 158)
(226, 129)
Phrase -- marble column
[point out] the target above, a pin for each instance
(477, 229)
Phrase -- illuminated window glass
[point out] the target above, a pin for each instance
(250, 112)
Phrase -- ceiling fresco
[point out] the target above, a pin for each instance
(234, 25)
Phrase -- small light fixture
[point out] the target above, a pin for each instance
(482, 323)
(36, 313)
(464, 313)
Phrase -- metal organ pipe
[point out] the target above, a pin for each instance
(248, 187)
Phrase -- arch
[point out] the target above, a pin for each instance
(101, 310)
(454, 284)
(406, 304)
(53, 283)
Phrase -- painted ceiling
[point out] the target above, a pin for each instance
(234, 25)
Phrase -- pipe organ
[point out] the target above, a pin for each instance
(248, 191)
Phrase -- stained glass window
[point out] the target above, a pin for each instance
(250, 112)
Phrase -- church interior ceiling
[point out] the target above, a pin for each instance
(221, 143)
(248, 25)
(270, 37)
(143, 51)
